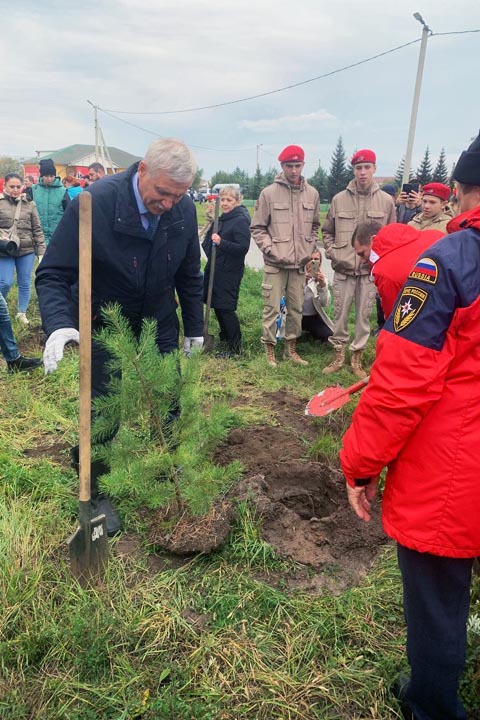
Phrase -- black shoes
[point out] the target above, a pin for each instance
(399, 691)
(23, 364)
(99, 502)
(102, 505)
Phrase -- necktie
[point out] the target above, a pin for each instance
(152, 224)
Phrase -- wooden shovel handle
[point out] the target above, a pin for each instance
(85, 349)
(213, 257)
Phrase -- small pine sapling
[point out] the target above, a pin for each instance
(160, 455)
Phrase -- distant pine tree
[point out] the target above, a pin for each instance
(424, 172)
(399, 173)
(255, 186)
(440, 174)
(259, 181)
(340, 174)
(320, 182)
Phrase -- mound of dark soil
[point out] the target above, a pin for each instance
(301, 504)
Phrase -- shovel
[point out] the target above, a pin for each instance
(333, 398)
(88, 546)
(209, 340)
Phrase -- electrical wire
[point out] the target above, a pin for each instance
(157, 134)
(269, 92)
(285, 87)
(115, 113)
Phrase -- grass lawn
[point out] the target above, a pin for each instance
(222, 636)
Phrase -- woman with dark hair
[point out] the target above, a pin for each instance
(232, 241)
(27, 233)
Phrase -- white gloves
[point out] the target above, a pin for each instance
(53, 352)
(192, 343)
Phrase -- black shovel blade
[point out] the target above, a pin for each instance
(88, 549)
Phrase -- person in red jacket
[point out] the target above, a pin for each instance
(420, 417)
(391, 252)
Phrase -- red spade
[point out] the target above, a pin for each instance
(332, 398)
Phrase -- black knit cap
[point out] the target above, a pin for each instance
(47, 167)
(467, 169)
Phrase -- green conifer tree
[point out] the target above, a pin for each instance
(440, 174)
(339, 175)
(160, 458)
(319, 180)
(256, 185)
(424, 172)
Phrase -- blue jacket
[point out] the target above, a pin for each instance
(139, 273)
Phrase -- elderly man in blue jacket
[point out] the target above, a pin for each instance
(144, 249)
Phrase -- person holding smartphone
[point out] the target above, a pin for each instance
(316, 296)
(409, 202)
(434, 215)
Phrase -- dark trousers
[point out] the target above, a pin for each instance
(380, 313)
(436, 598)
(316, 327)
(229, 328)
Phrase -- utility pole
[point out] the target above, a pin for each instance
(102, 153)
(258, 147)
(416, 96)
(97, 134)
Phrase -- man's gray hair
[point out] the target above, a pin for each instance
(173, 157)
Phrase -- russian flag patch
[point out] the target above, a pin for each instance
(425, 270)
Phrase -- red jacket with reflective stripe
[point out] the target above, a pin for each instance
(420, 413)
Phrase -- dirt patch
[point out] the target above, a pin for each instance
(58, 452)
(302, 504)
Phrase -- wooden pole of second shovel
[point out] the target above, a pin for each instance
(209, 340)
(88, 546)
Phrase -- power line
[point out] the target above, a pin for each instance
(270, 92)
(156, 134)
(285, 87)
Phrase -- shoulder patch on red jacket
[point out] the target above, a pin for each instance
(408, 307)
(426, 270)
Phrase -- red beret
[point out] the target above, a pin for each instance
(364, 156)
(438, 190)
(292, 153)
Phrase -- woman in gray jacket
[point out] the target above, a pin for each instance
(316, 296)
(29, 236)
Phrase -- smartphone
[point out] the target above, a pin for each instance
(314, 267)
(410, 187)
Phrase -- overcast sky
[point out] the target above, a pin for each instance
(160, 55)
